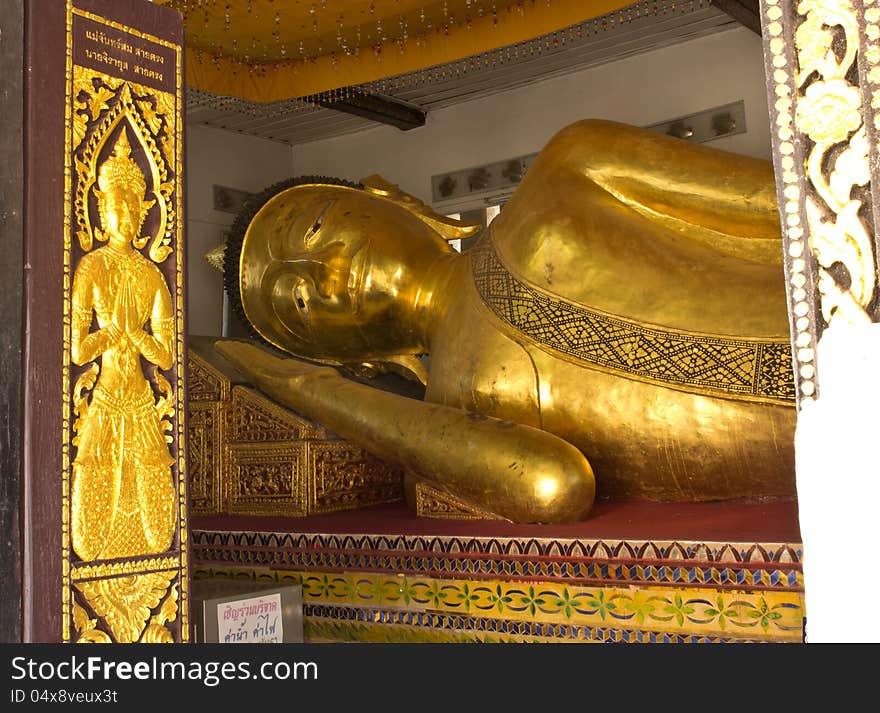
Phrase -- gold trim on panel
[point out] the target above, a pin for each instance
(822, 131)
(115, 569)
(126, 603)
(181, 351)
(65, 361)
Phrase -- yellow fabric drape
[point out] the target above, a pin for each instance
(236, 74)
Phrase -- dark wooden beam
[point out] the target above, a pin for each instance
(43, 139)
(382, 109)
(11, 273)
(745, 12)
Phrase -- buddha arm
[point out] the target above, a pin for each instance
(670, 178)
(85, 346)
(518, 472)
(157, 347)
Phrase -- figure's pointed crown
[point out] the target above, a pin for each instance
(121, 170)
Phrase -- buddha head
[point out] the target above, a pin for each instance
(121, 196)
(337, 272)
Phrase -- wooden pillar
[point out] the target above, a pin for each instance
(103, 468)
(822, 60)
(11, 65)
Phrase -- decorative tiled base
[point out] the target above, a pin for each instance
(439, 588)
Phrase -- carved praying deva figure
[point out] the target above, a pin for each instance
(623, 316)
(123, 497)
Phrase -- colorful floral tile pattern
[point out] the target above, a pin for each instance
(361, 601)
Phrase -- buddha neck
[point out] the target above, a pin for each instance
(120, 247)
(441, 278)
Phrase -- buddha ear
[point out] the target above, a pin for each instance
(143, 239)
(448, 228)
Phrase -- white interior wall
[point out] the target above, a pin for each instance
(224, 158)
(642, 90)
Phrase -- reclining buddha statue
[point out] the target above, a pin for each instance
(619, 330)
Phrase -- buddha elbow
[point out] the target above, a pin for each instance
(563, 490)
(76, 354)
(590, 148)
(162, 357)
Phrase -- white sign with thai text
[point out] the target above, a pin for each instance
(256, 620)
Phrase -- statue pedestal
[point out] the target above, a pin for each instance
(633, 572)
(250, 456)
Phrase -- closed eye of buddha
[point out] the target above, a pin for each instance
(312, 232)
(297, 294)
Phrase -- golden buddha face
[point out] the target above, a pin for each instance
(336, 274)
(121, 203)
(120, 215)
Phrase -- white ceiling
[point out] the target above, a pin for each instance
(293, 122)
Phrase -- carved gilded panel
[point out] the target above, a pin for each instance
(821, 61)
(204, 382)
(124, 468)
(432, 502)
(253, 418)
(250, 456)
(266, 479)
(347, 477)
(204, 436)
